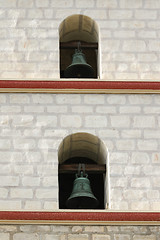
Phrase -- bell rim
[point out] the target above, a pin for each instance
(80, 64)
(87, 66)
(83, 195)
(93, 198)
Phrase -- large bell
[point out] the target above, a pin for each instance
(82, 196)
(79, 67)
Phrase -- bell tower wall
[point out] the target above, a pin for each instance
(34, 124)
(127, 34)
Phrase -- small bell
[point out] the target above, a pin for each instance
(82, 196)
(79, 67)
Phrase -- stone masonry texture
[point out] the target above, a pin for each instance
(32, 126)
(60, 232)
(128, 37)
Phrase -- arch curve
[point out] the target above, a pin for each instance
(83, 145)
(72, 30)
(78, 27)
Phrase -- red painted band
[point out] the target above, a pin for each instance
(82, 216)
(79, 84)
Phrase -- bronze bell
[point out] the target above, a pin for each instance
(79, 67)
(82, 196)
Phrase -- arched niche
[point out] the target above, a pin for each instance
(84, 145)
(79, 28)
(90, 150)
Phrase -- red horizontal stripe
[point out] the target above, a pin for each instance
(79, 84)
(81, 216)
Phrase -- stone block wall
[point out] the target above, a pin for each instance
(128, 37)
(32, 126)
(53, 232)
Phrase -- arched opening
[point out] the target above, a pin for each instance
(77, 29)
(87, 149)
